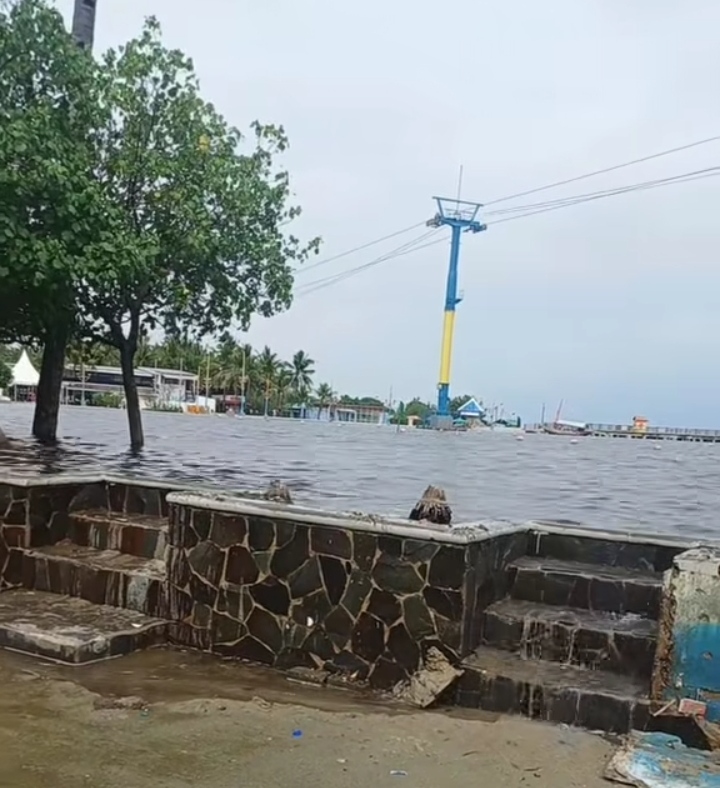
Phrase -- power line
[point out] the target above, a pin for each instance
(410, 246)
(570, 200)
(358, 248)
(601, 193)
(534, 208)
(709, 172)
(606, 169)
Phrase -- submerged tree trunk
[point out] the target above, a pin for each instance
(132, 399)
(47, 404)
(432, 507)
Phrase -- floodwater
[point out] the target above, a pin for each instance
(667, 487)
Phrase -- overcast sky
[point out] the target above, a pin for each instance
(612, 306)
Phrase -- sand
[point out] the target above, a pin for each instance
(171, 720)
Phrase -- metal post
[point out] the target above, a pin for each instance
(460, 216)
(242, 395)
(83, 26)
(451, 301)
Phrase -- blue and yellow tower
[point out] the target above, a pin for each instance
(461, 217)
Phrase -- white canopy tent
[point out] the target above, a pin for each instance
(24, 373)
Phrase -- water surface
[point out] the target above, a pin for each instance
(612, 483)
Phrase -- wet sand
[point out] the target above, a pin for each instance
(175, 719)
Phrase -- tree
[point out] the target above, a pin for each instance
(283, 386)
(202, 243)
(52, 216)
(5, 376)
(302, 368)
(267, 366)
(325, 396)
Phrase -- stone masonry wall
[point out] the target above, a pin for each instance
(38, 515)
(291, 594)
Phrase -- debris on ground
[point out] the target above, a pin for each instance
(129, 703)
(428, 683)
(432, 507)
(659, 760)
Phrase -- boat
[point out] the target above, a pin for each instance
(562, 427)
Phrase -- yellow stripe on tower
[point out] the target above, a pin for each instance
(447, 342)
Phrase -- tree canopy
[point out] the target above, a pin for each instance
(53, 218)
(127, 203)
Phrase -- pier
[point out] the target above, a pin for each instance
(654, 433)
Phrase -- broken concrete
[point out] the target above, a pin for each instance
(433, 678)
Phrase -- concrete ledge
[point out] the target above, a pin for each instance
(356, 522)
(252, 502)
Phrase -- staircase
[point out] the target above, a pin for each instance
(99, 593)
(572, 643)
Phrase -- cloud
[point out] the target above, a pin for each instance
(608, 304)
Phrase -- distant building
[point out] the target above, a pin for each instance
(25, 379)
(355, 413)
(472, 410)
(156, 387)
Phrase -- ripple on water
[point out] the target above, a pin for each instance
(611, 484)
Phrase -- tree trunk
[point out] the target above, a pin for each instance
(132, 400)
(47, 404)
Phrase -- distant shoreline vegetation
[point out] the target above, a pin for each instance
(269, 383)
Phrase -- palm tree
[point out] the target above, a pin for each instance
(283, 385)
(267, 365)
(234, 367)
(325, 396)
(303, 369)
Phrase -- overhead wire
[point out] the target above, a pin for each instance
(530, 209)
(567, 202)
(358, 248)
(517, 212)
(605, 170)
(407, 248)
(599, 193)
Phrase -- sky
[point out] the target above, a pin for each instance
(610, 306)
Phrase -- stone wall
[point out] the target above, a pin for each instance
(35, 513)
(287, 593)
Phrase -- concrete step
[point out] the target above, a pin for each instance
(600, 640)
(495, 680)
(138, 534)
(71, 630)
(103, 577)
(613, 589)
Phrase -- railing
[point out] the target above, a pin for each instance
(650, 430)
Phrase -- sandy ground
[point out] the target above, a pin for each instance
(172, 719)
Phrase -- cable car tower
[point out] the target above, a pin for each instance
(461, 217)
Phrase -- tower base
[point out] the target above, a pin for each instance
(441, 422)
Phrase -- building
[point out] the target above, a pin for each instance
(156, 387)
(471, 411)
(360, 413)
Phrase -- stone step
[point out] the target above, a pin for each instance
(613, 589)
(71, 630)
(103, 577)
(495, 680)
(607, 641)
(138, 534)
